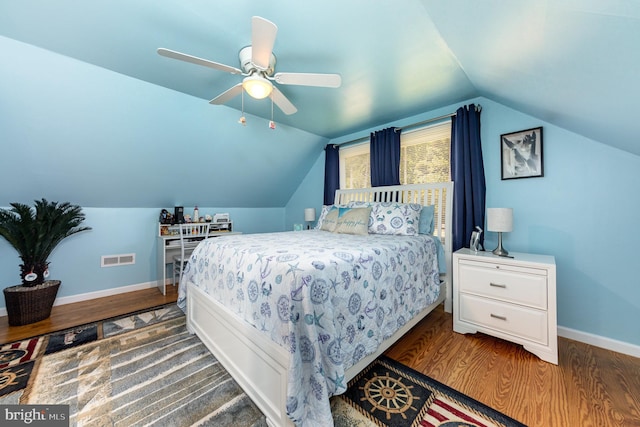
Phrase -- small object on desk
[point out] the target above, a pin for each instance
(178, 214)
(196, 215)
(221, 218)
(297, 227)
(165, 217)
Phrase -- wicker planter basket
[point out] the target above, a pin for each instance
(27, 305)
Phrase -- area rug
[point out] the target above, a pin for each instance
(146, 369)
(72, 338)
(388, 393)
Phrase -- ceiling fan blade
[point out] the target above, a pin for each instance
(199, 61)
(227, 95)
(282, 102)
(309, 79)
(263, 37)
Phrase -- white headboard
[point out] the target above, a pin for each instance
(440, 195)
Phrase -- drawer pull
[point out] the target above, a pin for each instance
(497, 285)
(495, 316)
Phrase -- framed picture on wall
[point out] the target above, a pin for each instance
(521, 154)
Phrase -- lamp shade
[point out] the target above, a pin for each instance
(310, 214)
(500, 219)
(257, 87)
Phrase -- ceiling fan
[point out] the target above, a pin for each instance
(257, 65)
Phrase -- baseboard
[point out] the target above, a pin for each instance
(599, 341)
(97, 294)
(572, 334)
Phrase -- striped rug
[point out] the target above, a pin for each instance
(157, 375)
(146, 369)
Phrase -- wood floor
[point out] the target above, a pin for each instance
(79, 313)
(589, 387)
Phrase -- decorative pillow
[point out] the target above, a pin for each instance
(323, 213)
(392, 217)
(364, 205)
(330, 219)
(426, 220)
(353, 220)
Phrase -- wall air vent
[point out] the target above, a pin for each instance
(115, 260)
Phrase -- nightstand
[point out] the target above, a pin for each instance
(509, 298)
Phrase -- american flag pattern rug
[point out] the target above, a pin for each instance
(388, 393)
(19, 352)
(16, 365)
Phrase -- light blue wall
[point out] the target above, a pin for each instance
(582, 212)
(71, 131)
(76, 261)
(310, 194)
(123, 149)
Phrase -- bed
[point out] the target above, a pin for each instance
(294, 316)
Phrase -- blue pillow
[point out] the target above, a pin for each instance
(425, 225)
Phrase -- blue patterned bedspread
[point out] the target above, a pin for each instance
(329, 299)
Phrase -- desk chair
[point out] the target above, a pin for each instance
(190, 236)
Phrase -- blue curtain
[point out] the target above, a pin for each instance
(467, 170)
(385, 157)
(331, 173)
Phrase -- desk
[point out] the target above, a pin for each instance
(169, 246)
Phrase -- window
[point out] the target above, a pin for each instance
(354, 166)
(424, 155)
(424, 158)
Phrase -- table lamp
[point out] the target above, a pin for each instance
(500, 220)
(309, 216)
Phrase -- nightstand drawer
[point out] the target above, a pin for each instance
(512, 319)
(524, 286)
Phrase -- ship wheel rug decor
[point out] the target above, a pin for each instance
(388, 393)
(16, 364)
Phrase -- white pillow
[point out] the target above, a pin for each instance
(392, 217)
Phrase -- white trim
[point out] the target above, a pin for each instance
(97, 294)
(599, 341)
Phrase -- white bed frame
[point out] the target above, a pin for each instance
(259, 365)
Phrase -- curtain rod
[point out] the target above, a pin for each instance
(424, 122)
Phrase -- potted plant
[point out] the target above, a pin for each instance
(34, 233)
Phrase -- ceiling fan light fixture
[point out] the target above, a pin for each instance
(257, 87)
